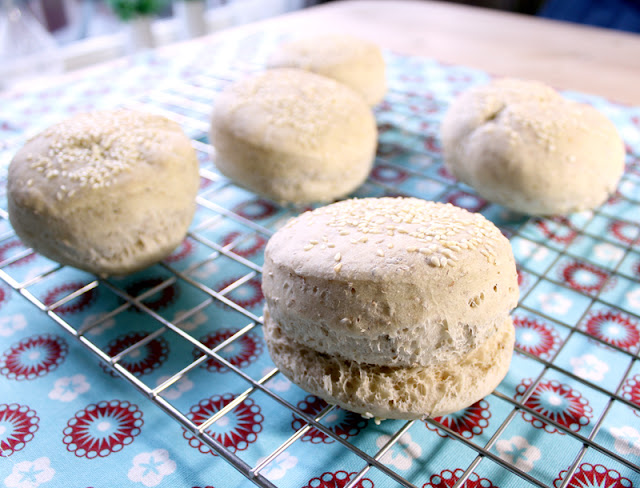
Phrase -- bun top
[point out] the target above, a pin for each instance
(386, 268)
(95, 151)
(355, 62)
(296, 112)
(394, 234)
(521, 144)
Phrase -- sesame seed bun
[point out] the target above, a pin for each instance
(522, 145)
(354, 62)
(388, 284)
(410, 392)
(109, 192)
(293, 136)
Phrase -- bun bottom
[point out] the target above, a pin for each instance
(388, 392)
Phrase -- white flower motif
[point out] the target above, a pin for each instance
(192, 322)
(427, 186)
(28, 474)
(589, 367)
(627, 440)
(277, 468)
(629, 133)
(420, 160)
(101, 327)
(627, 188)
(150, 467)
(402, 453)
(11, 324)
(608, 252)
(206, 270)
(554, 303)
(633, 297)
(530, 250)
(68, 388)
(177, 389)
(278, 383)
(35, 272)
(518, 452)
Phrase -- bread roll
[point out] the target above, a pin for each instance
(108, 192)
(522, 145)
(377, 291)
(354, 62)
(293, 136)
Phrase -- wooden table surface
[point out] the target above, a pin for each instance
(565, 55)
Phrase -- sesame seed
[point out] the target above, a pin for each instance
(337, 257)
(439, 231)
(337, 267)
(308, 247)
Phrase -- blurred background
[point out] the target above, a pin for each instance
(52, 36)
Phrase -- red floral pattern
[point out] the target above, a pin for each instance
(243, 351)
(448, 478)
(631, 392)
(595, 277)
(257, 209)
(465, 200)
(72, 306)
(344, 423)
(444, 172)
(18, 423)
(523, 279)
(594, 476)
(158, 300)
(558, 229)
(468, 422)
(144, 359)
(33, 357)
(103, 428)
(235, 430)
(247, 295)
(15, 244)
(384, 173)
(558, 402)
(247, 247)
(184, 250)
(338, 479)
(536, 337)
(432, 144)
(386, 150)
(615, 328)
(622, 231)
(4, 295)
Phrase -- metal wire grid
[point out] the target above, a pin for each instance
(184, 96)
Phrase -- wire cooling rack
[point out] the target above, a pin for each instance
(582, 259)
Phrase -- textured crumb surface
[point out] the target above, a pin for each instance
(107, 191)
(522, 145)
(354, 62)
(390, 281)
(293, 136)
(394, 392)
